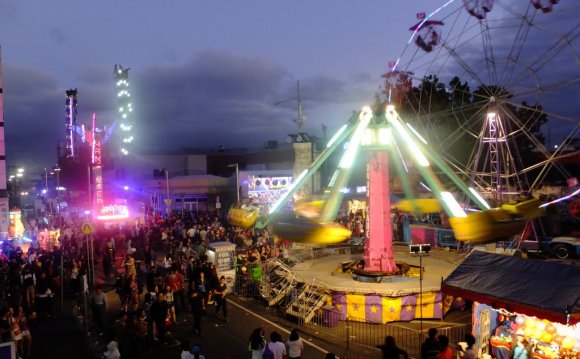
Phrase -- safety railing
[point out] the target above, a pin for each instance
(361, 338)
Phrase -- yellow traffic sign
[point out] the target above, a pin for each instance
(87, 228)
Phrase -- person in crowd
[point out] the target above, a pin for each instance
(130, 269)
(196, 351)
(120, 331)
(219, 295)
(202, 288)
(196, 300)
(75, 277)
(430, 347)
(15, 329)
(167, 263)
(521, 348)
(158, 312)
(390, 349)
(257, 343)
(44, 296)
(5, 329)
(26, 342)
(445, 351)
(148, 257)
(112, 351)
(295, 345)
(120, 289)
(110, 246)
(99, 304)
(185, 350)
(29, 281)
(134, 290)
(177, 283)
(170, 303)
(141, 332)
(276, 346)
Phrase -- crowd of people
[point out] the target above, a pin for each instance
(165, 272)
(159, 270)
(28, 282)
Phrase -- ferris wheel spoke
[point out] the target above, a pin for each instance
(519, 40)
(536, 65)
(487, 44)
(538, 145)
(551, 115)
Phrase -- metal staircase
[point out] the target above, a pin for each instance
(306, 300)
(278, 281)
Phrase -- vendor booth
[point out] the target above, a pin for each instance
(222, 255)
(520, 305)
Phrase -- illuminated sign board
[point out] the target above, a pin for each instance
(99, 193)
(97, 160)
(113, 211)
(257, 183)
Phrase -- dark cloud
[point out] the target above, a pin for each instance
(221, 98)
(33, 116)
(58, 34)
(8, 11)
(216, 99)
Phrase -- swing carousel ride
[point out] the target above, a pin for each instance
(513, 53)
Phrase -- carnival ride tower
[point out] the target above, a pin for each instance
(71, 146)
(4, 206)
(378, 253)
(124, 109)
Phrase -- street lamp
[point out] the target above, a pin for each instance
(420, 250)
(57, 171)
(46, 191)
(237, 180)
(168, 199)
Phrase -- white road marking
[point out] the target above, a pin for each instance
(322, 350)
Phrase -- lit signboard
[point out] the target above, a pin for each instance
(113, 211)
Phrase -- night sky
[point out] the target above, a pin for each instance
(205, 73)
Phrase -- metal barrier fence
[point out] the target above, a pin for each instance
(247, 284)
(361, 338)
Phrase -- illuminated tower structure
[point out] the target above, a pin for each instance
(4, 206)
(71, 146)
(124, 108)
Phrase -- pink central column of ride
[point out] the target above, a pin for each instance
(379, 241)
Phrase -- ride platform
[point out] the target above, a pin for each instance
(382, 297)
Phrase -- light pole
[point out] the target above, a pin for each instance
(237, 180)
(420, 250)
(168, 199)
(47, 193)
(57, 171)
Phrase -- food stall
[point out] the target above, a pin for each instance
(520, 305)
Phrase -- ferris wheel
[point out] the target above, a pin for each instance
(493, 85)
